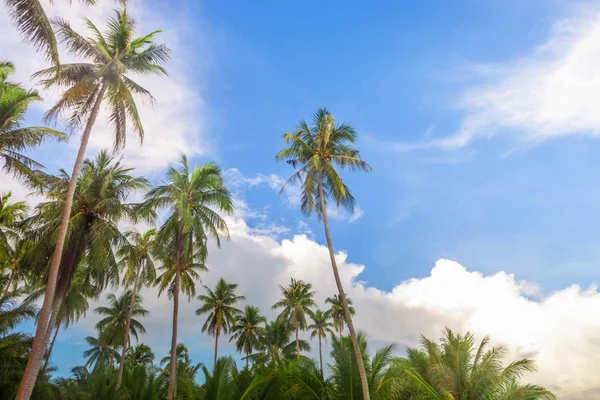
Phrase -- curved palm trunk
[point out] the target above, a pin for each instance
(127, 327)
(51, 347)
(9, 282)
(297, 344)
(53, 318)
(173, 366)
(38, 349)
(217, 332)
(338, 282)
(321, 355)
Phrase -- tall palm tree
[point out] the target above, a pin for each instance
(337, 311)
(219, 305)
(313, 151)
(112, 56)
(193, 199)
(116, 318)
(139, 355)
(135, 258)
(247, 329)
(14, 137)
(320, 328)
(100, 203)
(457, 368)
(296, 302)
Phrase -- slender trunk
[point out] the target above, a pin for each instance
(127, 327)
(320, 355)
(51, 347)
(10, 278)
(173, 366)
(297, 344)
(217, 332)
(37, 350)
(112, 357)
(247, 355)
(338, 282)
(53, 318)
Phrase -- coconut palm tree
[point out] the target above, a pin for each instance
(13, 267)
(116, 318)
(458, 369)
(193, 200)
(100, 352)
(276, 344)
(337, 311)
(105, 78)
(313, 151)
(99, 205)
(135, 258)
(320, 328)
(246, 330)
(219, 305)
(296, 302)
(139, 355)
(14, 137)
(10, 215)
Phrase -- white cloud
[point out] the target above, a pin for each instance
(551, 93)
(559, 330)
(173, 125)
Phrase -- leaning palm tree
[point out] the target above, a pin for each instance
(14, 137)
(135, 258)
(320, 328)
(99, 204)
(337, 311)
(296, 302)
(247, 329)
(112, 56)
(193, 200)
(313, 151)
(219, 305)
(116, 318)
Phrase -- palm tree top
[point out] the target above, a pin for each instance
(219, 305)
(313, 150)
(110, 58)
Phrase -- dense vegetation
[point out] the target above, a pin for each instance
(69, 251)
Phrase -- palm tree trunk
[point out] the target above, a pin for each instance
(112, 357)
(38, 349)
(320, 356)
(247, 355)
(338, 282)
(51, 347)
(173, 366)
(297, 344)
(53, 318)
(217, 332)
(127, 327)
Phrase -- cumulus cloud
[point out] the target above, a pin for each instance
(173, 125)
(558, 330)
(551, 93)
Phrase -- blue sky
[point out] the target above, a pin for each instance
(477, 116)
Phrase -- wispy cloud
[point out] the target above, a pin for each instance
(553, 92)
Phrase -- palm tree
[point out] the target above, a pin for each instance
(104, 79)
(139, 355)
(313, 151)
(296, 302)
(219, 305)
(116, 318)
(320, 327)
(193, 201)
(100, 353)
(15, 138)
(458, 369)
(16, 272)
(10, 215)
(246, 330)
(337, 311)
(135, 257)
(276, 344)
(99, 205)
